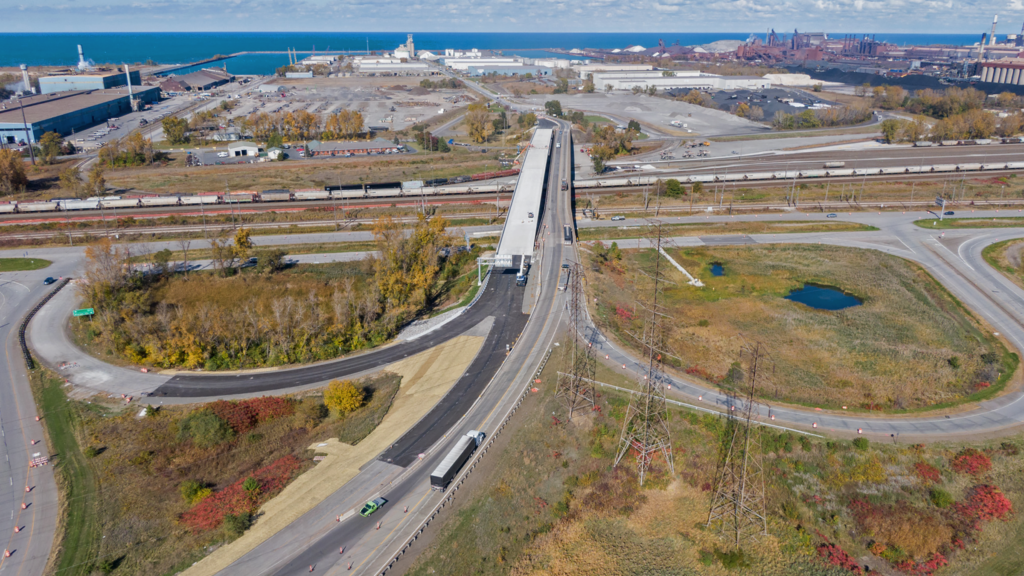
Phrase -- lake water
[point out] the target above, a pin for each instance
(823, 298)
(717, 270)
(56, 49)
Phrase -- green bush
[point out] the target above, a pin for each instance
(91, 452)
(704, 323)
(236, 524)
(954, 362)
(940, 498)
(204, 428)
(861, 443)
(193, 491)
(734, 559)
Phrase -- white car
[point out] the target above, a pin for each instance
(222, 154)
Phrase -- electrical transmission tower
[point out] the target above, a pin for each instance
(575, 381)
(645, 430)
(738, 506)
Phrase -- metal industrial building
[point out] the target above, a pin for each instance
(67, 112)
(1004, 71)
(92, 81)
(375, 146)
(199, 80)
(693, 80)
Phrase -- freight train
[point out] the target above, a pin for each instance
(634, 180)
(435, 187)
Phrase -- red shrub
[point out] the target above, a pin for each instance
(836, 556)
(923, 568)
(970, 461)
(984, 503)
(239, 416)
(269, 407)
(623, 313)
(209, 513)
(981, 385)
(927, 472)
(703, 373)
(244, 415)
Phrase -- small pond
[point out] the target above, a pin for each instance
(823, 298)
(716, 269)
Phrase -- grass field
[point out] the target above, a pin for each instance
(21, 264)
(893, 193)
(909, 346)
(1005, 256)
(551, 503)
(719, 228)
(955, 223)
(79, 527)
(594, 119)
(124, 504)
(177, 178)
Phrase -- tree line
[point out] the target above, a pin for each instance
(166, 316)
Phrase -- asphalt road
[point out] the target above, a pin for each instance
(21, 437)
(481, 400)
(954, 258)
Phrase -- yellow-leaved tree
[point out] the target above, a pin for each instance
(343, 396)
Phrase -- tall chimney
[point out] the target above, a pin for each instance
(25, 79)
(992, 37)
(981, 49)
(128, 76)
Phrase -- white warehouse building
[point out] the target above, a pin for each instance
(481, 62)
(693, 80)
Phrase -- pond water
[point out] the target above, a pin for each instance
(716, 269)
(823, 298)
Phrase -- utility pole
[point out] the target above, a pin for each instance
(738, 504)
(28, 135)
(645, 428)
(575, 382)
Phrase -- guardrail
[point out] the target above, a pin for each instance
(29, 362)
(466, 471)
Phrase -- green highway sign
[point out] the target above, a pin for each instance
(83, 312)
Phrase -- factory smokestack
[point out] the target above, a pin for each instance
(128, 77)
(82, 64)
(25, 80)
(992, 37)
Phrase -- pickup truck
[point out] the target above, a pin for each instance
(372, 506)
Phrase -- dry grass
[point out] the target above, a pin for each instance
(1005, 256)
(809, 195)
(893, 352)
(292, 175)
(743, 227)
(554, 506)
(141, 464)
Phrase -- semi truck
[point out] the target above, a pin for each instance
(521, 276)
(455, 460)
(567, 235)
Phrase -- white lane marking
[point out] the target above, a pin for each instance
(936, 240)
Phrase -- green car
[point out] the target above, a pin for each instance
(372, 506)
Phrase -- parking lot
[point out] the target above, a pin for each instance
(655, 112)
(771, 100)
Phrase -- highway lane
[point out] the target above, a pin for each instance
(365, 547)
(21, 437)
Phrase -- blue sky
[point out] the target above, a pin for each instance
(911, 16)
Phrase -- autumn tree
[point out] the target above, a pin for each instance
(175, 130)
(477, 123)
(243, 244)
(71, 181)
(743, 110)
(408, 264)
(97, 183)
(343, 397)
(12, 172)
(890, 130)
(49, 147)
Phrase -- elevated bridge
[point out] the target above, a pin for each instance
(519, 234)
